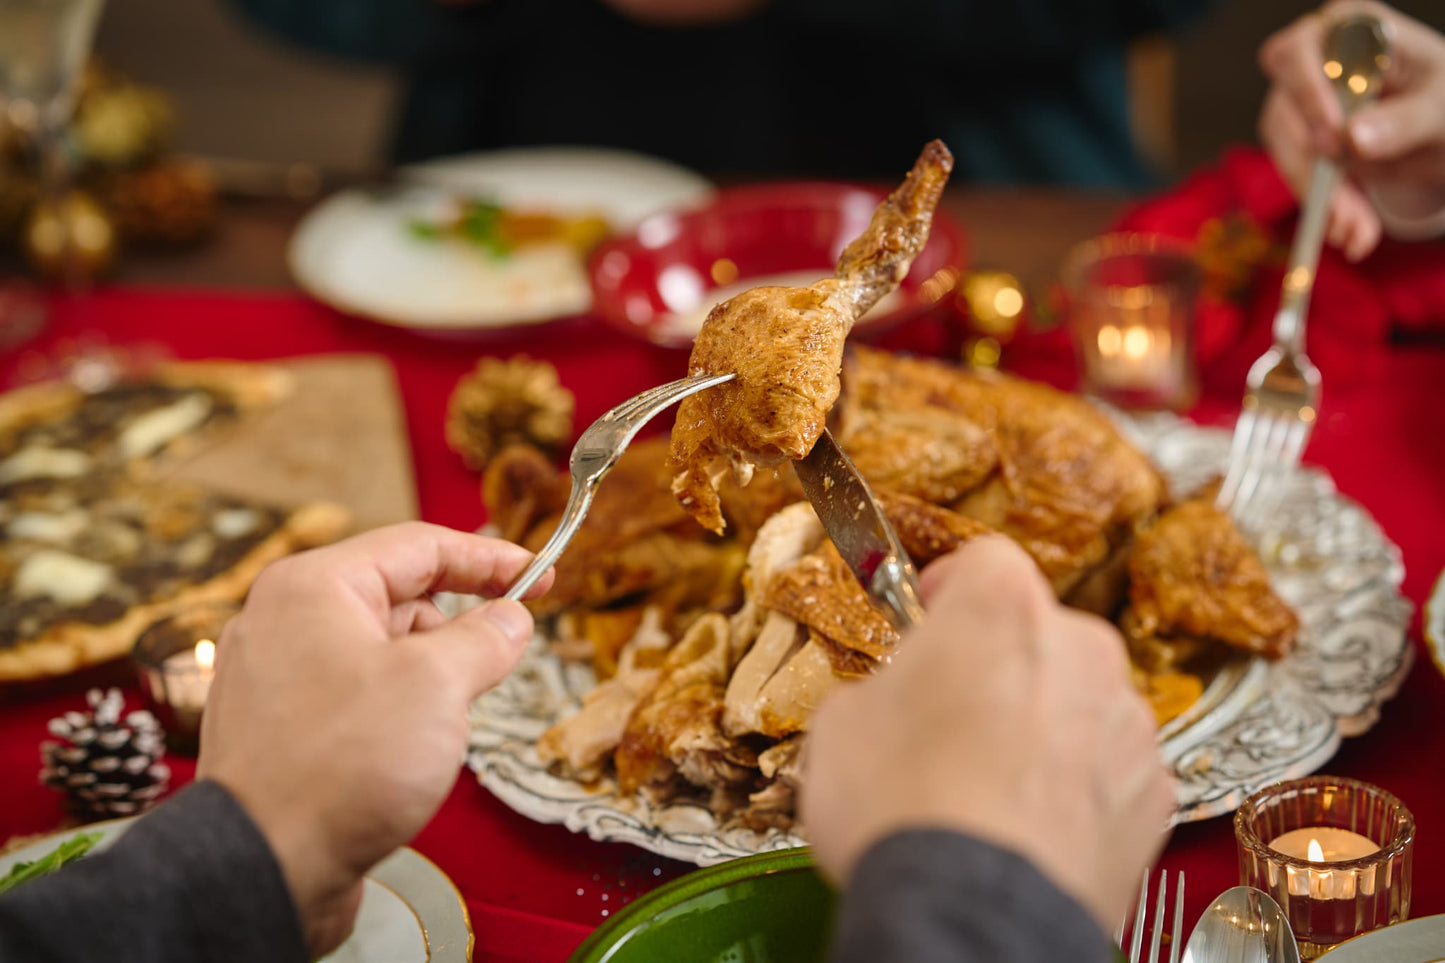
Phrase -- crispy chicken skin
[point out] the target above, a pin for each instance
(1060, 478)
(786, 347)
(1193, 579)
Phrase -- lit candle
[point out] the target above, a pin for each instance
(188, 676)
(1324, 844)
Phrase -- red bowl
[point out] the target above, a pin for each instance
(658, 281)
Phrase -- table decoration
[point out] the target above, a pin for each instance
(1255, 724)
(1238, 215)
(1434, 623)
(107, 764)
(1335, 853)
(506, 402)
(1131, 313)
(176, 661)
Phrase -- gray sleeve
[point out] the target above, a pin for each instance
(193, 881)
(929, 896)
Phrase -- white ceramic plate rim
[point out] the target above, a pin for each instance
(625, 185)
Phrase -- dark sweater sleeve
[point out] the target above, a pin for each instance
(930, 896)
(193, 881)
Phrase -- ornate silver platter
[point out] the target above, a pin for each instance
(1257, 722)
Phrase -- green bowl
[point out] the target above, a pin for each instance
(768, 908)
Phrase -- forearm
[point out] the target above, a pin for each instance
(192, 881)
(936, 895)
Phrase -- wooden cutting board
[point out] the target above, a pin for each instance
(340, 437)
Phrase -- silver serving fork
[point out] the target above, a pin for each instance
(593, 457)
(1141, 909)
(1282, 389)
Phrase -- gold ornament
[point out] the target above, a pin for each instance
(995, 302)
(118, 123)
(502, 402)
(72, 239)
(170, 202)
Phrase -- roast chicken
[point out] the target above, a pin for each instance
(786, 346)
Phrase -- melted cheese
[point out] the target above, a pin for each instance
(68, 579)
(28, 463)
(59, 527)
(154, 429)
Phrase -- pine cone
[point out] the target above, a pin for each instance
(107, 767)
(168, 202)
(508, 402)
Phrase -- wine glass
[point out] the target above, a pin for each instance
(43, 46)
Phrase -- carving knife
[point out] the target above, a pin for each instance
(863, 535)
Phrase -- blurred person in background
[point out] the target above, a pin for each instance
(1021, 91)
(1393, 150)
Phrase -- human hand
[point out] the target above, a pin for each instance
(1004, 716)
(338, 716)
(1395, 146)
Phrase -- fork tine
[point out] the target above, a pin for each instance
(1239, 447)
(1141, 909)
(1158, 934)
(1177, 940)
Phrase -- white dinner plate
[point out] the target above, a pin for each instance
(1414, 941)
(1259, 722)
(355, 250)
(410, 910)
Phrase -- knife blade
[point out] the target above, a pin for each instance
(863, 535)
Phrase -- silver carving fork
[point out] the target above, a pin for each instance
(593, 457)
(1282, 390)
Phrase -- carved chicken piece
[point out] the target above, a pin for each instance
(786, 347)
(926, 531)
(1194, 580)
(521, 489)
(584, 741)
(675, 731)
(772, 806)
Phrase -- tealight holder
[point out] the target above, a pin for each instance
(1335, 854)
(1131, 315)
(176, 658)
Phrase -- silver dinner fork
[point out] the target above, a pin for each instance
(1136, 927)
(593, 457)
(1282, 389)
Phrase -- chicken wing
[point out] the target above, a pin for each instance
(786, 347)
(1194, 579)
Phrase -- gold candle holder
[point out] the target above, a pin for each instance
(1335, 854)
(1131, 315)
(176, 660)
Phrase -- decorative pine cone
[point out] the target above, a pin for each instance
(107, 766)
(167, 202)
(500, 403)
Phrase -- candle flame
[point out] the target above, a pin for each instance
(1136, 343)
(1316, 852)
(205, 653)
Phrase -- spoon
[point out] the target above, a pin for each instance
(1242, 925)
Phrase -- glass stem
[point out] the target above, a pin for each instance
(53, 170)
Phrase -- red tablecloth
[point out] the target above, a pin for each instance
(534, 891)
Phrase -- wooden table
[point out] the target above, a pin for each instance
(1025, 231)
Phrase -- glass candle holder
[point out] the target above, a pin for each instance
(1131, 314)
(175, 657)
(1334, 853)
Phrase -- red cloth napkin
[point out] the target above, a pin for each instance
(1354, 307)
